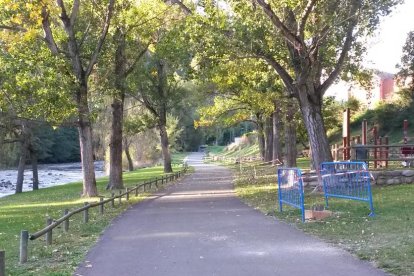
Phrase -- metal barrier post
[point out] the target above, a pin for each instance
(290, 189)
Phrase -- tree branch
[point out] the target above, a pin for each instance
(278, 24)
(149, 106)
(140, 55)
(13, 28)
(75, 11)
(101, 39)
(64, 14)
(183, 7)
(284, 75)
(50, 41)
(305, 16)
(345, 49)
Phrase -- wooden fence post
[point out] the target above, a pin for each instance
(49, 233)
(2, 263)
(386, 155)
(113, 200)
(85, 213)
(101, 207)
(120, 197)
(24, 239)
(66, 222)
(145, 186)
(127, 194)
(156, 182)
(136, 190)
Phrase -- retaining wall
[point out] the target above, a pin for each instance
(386, 177)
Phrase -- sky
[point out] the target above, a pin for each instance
(385, 49)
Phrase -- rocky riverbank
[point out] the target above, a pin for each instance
(49, 175)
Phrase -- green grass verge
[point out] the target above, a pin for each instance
(29, 210)
(387, 240)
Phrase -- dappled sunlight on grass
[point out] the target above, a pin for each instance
(48, 204)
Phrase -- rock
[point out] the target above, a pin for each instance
(390, 181)
(376, 174)
(407, 180)
(393, 173)
(381, 181)
(408, 173)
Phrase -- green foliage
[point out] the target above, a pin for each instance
(406, 73)
(60, 145)
(242, 88)
(174, 131)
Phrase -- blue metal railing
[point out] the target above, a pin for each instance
(348, 180)
(291, 189)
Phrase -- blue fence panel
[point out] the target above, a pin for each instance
(349, 180)
(291, 189)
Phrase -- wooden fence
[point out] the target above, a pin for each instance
(378, 155)
(51, 224)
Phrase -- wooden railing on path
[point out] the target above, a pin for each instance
(51, 224)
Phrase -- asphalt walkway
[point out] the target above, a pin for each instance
(199, 227)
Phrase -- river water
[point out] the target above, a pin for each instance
(49, 175)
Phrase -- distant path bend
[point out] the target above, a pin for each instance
(199, 227)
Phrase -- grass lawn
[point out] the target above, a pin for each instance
(29, 210)
(387, 240)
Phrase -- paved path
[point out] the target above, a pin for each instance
(199, 227)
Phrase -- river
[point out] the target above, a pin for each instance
(49, 175)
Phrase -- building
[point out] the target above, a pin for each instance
(383, 89)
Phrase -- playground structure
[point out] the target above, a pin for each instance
(379, 153)
(346, 180)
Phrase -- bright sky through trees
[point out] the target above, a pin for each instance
(385, 49)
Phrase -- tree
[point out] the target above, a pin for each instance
(131, 31)
(244, 90)
(406, 69)
(308, 43)
(159, 81)
(76, 38)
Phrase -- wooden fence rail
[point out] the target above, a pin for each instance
(50, 224)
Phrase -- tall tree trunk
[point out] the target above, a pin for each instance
(290, 137)
(33, 158)
(115, 146)
(22, 164)
(268, 130)
(277, 130)
(311, 108)
(85, 140)
(128, 155)
(261, 138)
(165, 148)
